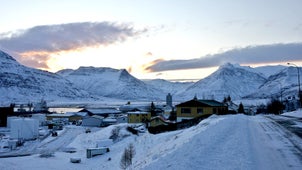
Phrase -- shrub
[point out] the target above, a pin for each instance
(115, 133)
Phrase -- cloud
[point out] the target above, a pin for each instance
(149, 54)
(65, 37)
(36, 59)
(249, 55)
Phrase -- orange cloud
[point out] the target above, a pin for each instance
(35, 45)
(149, 54)
(37, 59)
(148, 67)
(129, 69)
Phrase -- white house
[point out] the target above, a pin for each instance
(24, 128)
(94, 120)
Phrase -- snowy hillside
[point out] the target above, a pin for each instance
(219, 142)
(168, 86)
(20, 83)
(269, 70)
(234, 80)
(284, 83)
(112, 83)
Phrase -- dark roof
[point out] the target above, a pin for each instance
(101, 111)
(200, 103)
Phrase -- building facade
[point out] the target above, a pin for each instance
(195, 108)
(139, 117)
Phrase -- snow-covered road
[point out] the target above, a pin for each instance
(237, 142)
(60, 142)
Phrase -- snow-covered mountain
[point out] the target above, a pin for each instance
(234, 80)
(168, 86)
(113, 83)
(282, 84)
(20, 83)
(269, 70)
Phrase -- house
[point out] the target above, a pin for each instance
(94, 120)
(67, 117)
(167, 111)
(121, 118)
(109, 121)
(24, 128)
(158, 120)
(139, 117)
(194, 108)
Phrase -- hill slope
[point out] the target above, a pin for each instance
(167, 86)
(218, 142)
(281, 84)
(20, 83)
(112, 83)
(234, 80)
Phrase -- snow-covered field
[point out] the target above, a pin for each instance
(219, 142)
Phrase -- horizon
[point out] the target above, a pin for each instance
(152, 39)
(191, 79)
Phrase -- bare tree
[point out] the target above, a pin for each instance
(131, 151)
(125, 160)
(127, 156)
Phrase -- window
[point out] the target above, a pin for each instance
(185, 111)
(199, 110)
(214, 110)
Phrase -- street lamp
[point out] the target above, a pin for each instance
(299, 92)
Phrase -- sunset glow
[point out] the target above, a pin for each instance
(152, 39)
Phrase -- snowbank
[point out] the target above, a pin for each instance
(297, 113)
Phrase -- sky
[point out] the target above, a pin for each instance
(152, 38)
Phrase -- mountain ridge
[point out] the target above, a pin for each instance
(229, 80)
(19, 82)
(109, 82)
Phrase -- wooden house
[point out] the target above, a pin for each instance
(194, 108)
(139, 117)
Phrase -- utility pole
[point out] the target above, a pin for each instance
(299, 92)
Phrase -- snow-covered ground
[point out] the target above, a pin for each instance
(297, 113)
(219, 142)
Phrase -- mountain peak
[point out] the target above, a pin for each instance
(230, 65)
(124, 72)
(229, 79)
(4, 56)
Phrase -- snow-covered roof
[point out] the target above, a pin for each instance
(131, 107)
(68, 114)
(101, 111)
(109, 119)
(77, 113)
(59, 115)
(138, 112)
